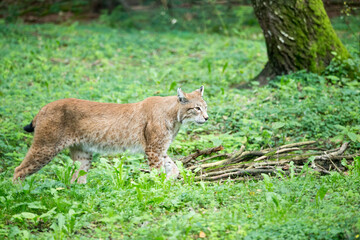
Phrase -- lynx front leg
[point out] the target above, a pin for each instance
(171, 169)
(85, 159)
(154, 158)
(158, 159)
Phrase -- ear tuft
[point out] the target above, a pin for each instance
(201, 90)
(181, 96)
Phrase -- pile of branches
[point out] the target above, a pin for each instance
(242, 165)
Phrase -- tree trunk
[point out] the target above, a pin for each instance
(298, 36)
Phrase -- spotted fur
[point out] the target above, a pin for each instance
(86, 127)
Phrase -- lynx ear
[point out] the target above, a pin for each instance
(181, 96)
(201, 90)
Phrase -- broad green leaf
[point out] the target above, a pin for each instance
(338, 138)
(217, 141)
(172, 86)
(61, 220)
(71, 212)
(36, 205)
(352, 136)
(333, 78)
(26, 215)
(277, 125)
(82, 173)
(340, 127)
(209, 67)
(321, 194)
(48, 214)
(224, 67)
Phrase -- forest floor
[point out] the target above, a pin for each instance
(43, 63)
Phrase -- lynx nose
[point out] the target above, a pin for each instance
(206, 118)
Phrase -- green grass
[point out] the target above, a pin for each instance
(149, 208)
(42, 63)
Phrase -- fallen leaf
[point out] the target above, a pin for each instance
(202, 235)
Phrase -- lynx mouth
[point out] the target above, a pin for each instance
(200, 123)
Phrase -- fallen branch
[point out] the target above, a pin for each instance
(242, 164)
(299, 144)
(236, 174)
(198, 153)
(285, 150)
(208, 165)
(236, 154)
(216, 156)
(333, 154)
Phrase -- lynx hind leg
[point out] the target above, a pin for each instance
(36, 158)
(85, 162)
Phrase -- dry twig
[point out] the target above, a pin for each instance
(242, 164)
(198, 153)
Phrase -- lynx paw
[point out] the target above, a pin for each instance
(172, 171)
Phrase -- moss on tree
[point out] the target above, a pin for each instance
(298, 36)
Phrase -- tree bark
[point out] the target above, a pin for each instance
(298, 36)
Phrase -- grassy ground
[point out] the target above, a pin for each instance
(42, 63)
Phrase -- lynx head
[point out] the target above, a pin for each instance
(193, 108)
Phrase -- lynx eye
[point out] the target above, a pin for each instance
(197, 108)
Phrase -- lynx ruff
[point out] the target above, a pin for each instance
(86, 127)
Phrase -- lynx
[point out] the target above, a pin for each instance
(86, 127)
